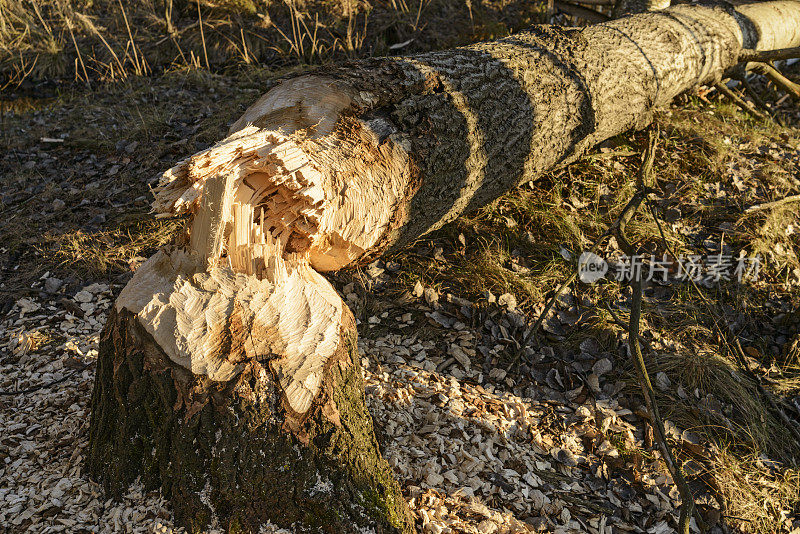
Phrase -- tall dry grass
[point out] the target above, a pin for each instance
(104, 40)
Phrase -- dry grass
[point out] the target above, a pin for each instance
(98, 253)
(756, 492)
(112, 39)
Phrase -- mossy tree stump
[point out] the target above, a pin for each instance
(222, 452)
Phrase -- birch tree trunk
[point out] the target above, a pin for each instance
(228, 373)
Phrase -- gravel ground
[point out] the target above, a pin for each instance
(475, 451)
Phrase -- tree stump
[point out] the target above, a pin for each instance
(227, 454)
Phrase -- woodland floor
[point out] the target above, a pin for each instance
(557, 442)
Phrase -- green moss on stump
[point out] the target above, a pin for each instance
(222, 452)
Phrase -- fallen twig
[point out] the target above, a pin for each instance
(758, 100)
(621, 323)
(773, 204)
(631, 206)
(736, 99)
(769, 55)
(777, 78)
(687, 499)
(627, 212)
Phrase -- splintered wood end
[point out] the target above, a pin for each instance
(301, 185)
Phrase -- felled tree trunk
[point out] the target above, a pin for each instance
(228, 372)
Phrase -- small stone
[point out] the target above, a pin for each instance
(508, 300)
(51, 285)
(59, 204)
(602, 366)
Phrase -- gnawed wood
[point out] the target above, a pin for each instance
(328, 196)
(266, 206)
(212, 322)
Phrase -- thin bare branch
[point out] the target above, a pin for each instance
(736, 99)
(687, 499)
(777, 78)
(769, 55)
(773, 204)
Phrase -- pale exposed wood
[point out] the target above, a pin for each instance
(266, 206)
(329, 197)
(291, 314)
